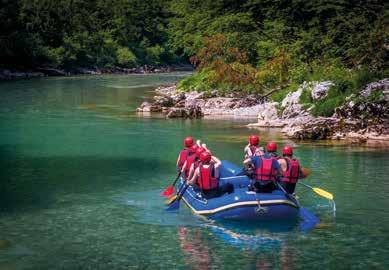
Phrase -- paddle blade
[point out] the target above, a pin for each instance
(309, 219)
(323, 193)
(171, 199)
(168, 191)
(173, 206)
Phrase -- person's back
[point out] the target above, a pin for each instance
(291, 170)
(206, 177)
(266, 171)
(184, 153)
(190, 160)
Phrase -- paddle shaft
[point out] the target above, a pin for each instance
(308, 186)
(178, 176)
(289, 196)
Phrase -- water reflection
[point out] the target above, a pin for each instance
(265, 247)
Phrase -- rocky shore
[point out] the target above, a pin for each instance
(9, 74)
(365, 116)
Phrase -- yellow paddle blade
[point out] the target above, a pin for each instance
(323, 193)
(171, 199)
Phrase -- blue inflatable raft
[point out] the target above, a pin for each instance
(241, 204)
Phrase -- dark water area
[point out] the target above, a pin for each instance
(81, 172)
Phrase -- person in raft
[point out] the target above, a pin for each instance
(291, 170)
(190, 160)
(271, 149)
(206, 177)
(184, 153)
(266, 172)
(253, 148)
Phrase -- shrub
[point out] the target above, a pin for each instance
(125, 57)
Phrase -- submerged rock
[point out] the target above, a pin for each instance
(4, 244)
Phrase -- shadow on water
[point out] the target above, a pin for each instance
(29, 183)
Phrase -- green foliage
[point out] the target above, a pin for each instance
(125, 57)
(68, 33)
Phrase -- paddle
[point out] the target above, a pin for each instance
(170, 189)
(320, 191)
(305, 214)
(175, 205)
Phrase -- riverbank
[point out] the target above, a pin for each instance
(10, 74)
(362, 117)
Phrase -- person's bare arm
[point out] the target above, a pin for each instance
(247, 162)
(183, 167)
(191, 171)
(283, 164)
(194, 177)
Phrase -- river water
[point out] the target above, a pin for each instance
(80, 176)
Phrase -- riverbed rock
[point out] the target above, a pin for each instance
(164, 101)
(148, 107)
(187, 112)
(268, 111)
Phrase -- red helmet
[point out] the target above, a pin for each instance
(188, 141)
(271, 147)
(254, 140)
(194, 148)
(287, 150)
(205, 157)
(199, 150)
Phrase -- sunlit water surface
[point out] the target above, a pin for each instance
(81, 172)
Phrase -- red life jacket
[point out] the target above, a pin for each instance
(266, 172)
(291, 175)
(189, 161)
(182, 158)
(206, 180)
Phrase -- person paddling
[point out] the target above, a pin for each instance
(196, 162)
(271, 149)
(190, 160)
(291, 169)
(188, 143)
(206, 177)
(266, 171)
(252, 147)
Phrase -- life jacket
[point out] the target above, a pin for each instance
(189, 161)
(182, 158)
(266, 170)
(206, 180)
(291, 175)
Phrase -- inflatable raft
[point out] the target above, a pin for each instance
(241, 204)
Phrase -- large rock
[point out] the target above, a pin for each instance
(268, 111)
(382, 85)
(164, 101)
(189, 112)
(320, 89)
(292, 97)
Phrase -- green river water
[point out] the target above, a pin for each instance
(80, 176)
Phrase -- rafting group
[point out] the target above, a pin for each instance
(262, 189)
(265, 167)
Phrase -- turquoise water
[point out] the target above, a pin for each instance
(81, 175)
